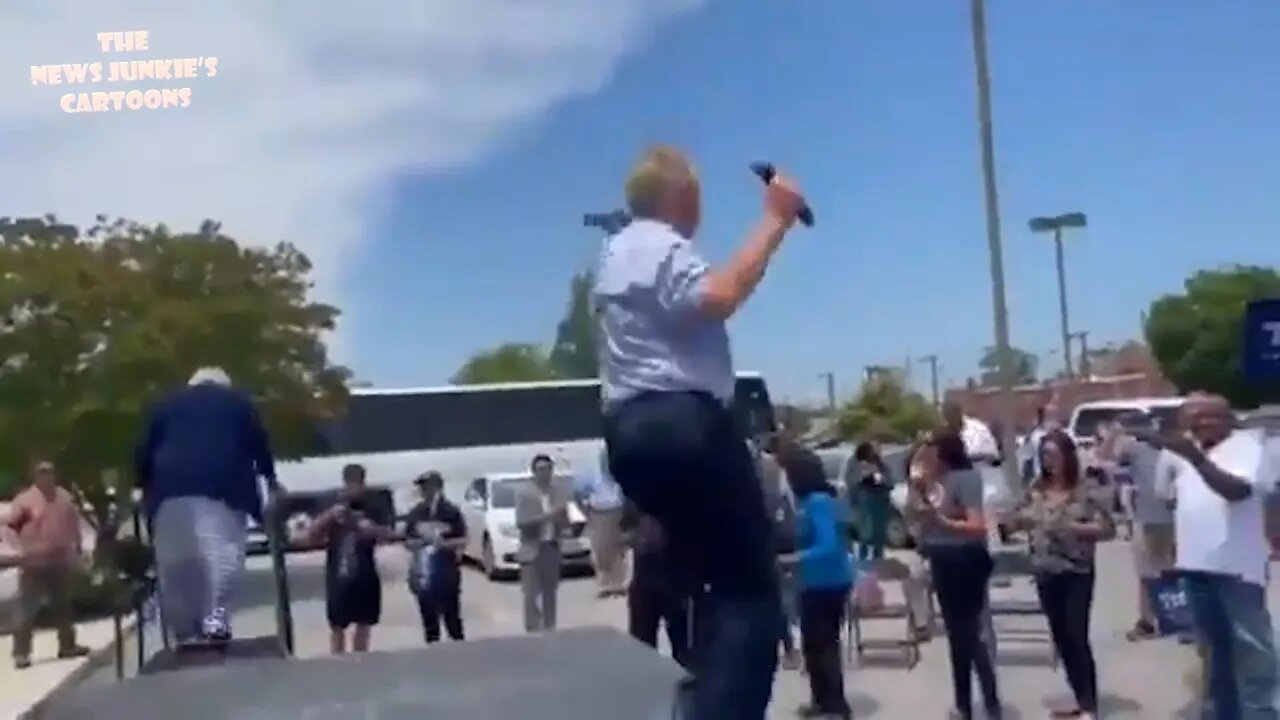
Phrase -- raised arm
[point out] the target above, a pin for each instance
(686, 284)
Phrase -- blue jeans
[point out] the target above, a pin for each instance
(681, 458)
(1233, 624)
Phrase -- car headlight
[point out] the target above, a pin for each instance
(509, 531)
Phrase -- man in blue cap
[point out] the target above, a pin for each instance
(674, 446)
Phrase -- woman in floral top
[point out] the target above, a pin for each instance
(1065, 525)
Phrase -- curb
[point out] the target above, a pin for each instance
(95, 661)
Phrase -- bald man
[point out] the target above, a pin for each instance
(674, 446)
(1219, 477)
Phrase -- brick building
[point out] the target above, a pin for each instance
(1129, 372)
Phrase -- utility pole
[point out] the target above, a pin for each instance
(986, 137)
(1085, 369)
(830, 377)
(932, 360)
(1055, 225)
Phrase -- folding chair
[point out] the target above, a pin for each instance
(886, 570)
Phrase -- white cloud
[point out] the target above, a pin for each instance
(316, 105)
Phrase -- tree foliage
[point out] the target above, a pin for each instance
(1197, 336)
(574, 354)
(1025, 366)
(510, 362)
(886, 411)
(95, 326)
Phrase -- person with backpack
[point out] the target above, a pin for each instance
(353, 588)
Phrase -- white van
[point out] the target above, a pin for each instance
(1088, 419)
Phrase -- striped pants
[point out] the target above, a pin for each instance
(200, 548)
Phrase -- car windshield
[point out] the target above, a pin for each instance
(502, 493)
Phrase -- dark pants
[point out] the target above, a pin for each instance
(1233, 624)
(821, 615)
(652, 602)
(960, 575)
(436, 604)
(681, 458)
(1067, 601)
(37, 585)
(873, 525)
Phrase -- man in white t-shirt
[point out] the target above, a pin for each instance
(979, 442)
(1219, 478)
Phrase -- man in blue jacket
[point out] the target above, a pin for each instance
(198, 464)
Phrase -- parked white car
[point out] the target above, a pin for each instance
(489, 508)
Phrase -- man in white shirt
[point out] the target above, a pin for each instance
(979, 442)
(1219, 477)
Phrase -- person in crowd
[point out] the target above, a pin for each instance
(1065, 523)
(542, 518)
(198, 465)
(655, 596)
(598, 495)
(1219, 477)
(947, 505)
(44, 525)
(979, 442)
(436, 533)
(780, 503)
(675, 448)
(1153, 533)
(350, 532)
(1029, 452)
(824, 572)
(873, 501)
(917, 587)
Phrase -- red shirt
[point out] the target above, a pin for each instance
(48, 527)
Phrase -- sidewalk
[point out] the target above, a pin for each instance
(22, 690)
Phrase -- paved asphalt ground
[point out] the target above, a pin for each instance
(1142, 680)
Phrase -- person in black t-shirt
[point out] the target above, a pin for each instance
(435, 532)
(350, 535)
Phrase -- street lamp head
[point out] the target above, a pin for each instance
(1057, 222)
(610, 222)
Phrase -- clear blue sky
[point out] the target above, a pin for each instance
(1158, 118)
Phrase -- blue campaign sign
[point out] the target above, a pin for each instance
(1262, 340)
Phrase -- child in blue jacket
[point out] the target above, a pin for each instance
(825, 574)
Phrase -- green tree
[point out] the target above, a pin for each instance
(509, 362)
(96, 326)
(574, 354)
(885, 411)
(1025, 366)
(1197, 336)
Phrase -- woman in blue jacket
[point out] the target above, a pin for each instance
(825, 577)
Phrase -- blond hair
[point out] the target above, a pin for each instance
(210, 376)
(661, 170)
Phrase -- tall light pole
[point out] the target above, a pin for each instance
(830, 377)
(986, 136)
(1056, 224)
(1083, 336)
(932, 361)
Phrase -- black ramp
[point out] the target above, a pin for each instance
(573, 674)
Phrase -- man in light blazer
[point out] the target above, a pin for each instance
(542, 517)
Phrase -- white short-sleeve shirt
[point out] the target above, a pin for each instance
(1213, 534)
